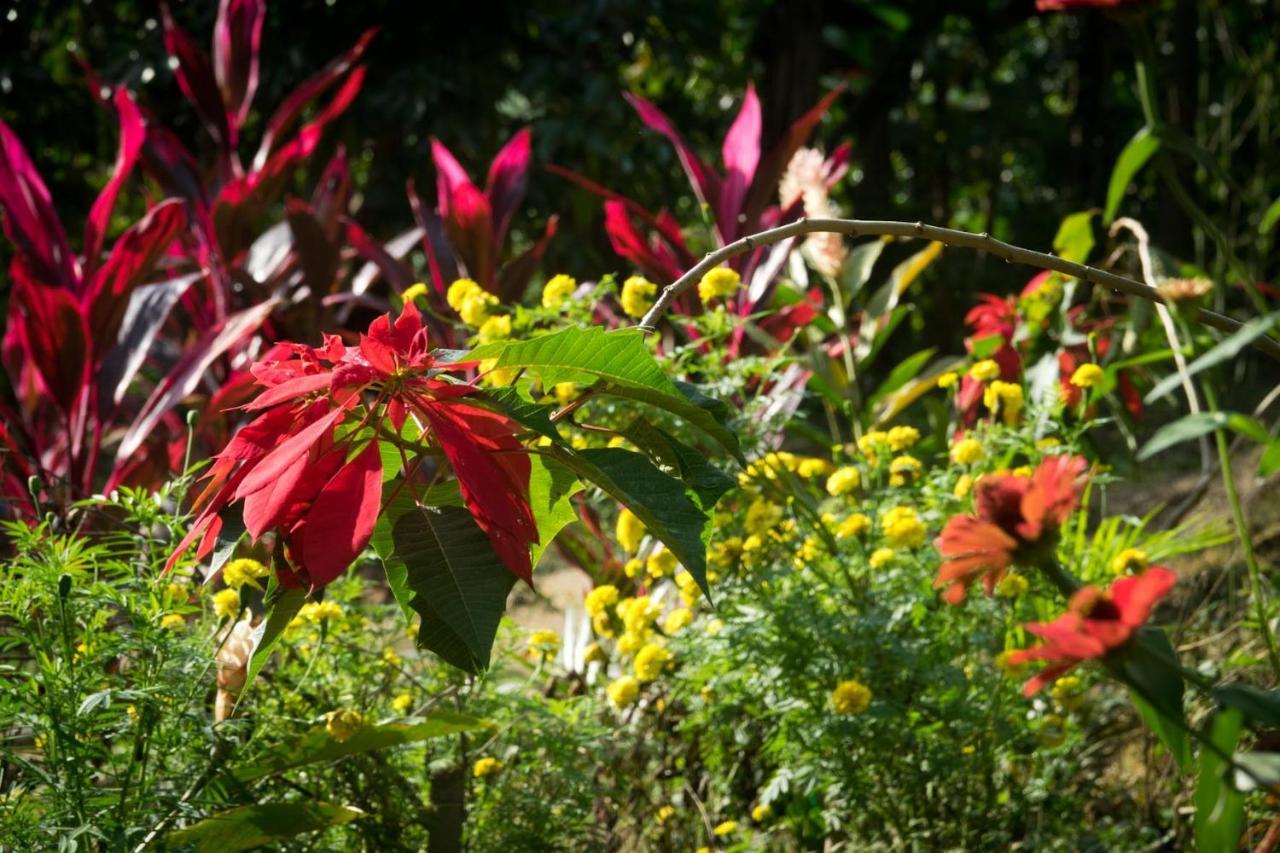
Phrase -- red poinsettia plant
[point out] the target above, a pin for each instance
(309, 467)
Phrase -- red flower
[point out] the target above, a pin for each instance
(1014, 514)
(320, 487)
(1096, 623)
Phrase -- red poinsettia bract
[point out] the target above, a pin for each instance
(1096, 623)
(1014, 514)
(309, 469)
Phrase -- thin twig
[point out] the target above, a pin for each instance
(947, 236)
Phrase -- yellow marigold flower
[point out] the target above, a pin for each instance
(637, 296)
(762, 516)
(650, 661)
(633, 568)
(762, 812)
(689, 590)
(661, 563)
(985, 370)
(850, 697)
(629, 530)
(316, 612)
(1015, 671)
(723, 553)
(632, 641)
(557, 290)
(948, 379)
(871, 440)
(902, 437)
(176, 592)
(1087, 376)
(173, 622)
(1068, 692)
(594, 653)
(498, 377)
(600, 599)
(1012, 585)
(496, 328)
(390, 657)
(564, 392)
(414, 292)
(402, 703)
(726, 828)
(638, 613)
(1005, 398)
(475, 308)
(544, 644)
(966, 451)
(226, 603)
(813, 467)
(623, 691)
(237, 573)
(1047, 443)
(963, 486)
(341, 725)
(902, 527)
(1021, 471)
(485, 767)
(718, 282)
(1129, 560)
(843, 481)
(1052, 731)
(460, 291)
(665, 814)
(854, 525)
(677, 619)
(881, 557)
(714, 627)
(601, 624)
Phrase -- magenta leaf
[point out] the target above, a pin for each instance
(705, 182)
(30, 221)
(741, 153)
(237, 38)
(133, 133)
(196, 79)
(57, 340)
(764, 188)
(508, 179)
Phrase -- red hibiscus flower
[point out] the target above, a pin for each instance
(1096, 623)
(1015, 515)
(309, 468)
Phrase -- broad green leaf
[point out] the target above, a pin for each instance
(901, 374)
(1270, 218)
(1198, 424)
(894, 404)
(659, 500)
(857, 267)
(706, 483)
(880, 308)
(1149, 665)
(1135, 155)
(1225, 350)
(317, 746)
(1270, 461)
(523, 411)
(455, 580)
(283, 607)
(1219, 806)
(551, 489)
(1074, 240)
(247, 827)
(397, 499)
(1258, 705)
(620, 358)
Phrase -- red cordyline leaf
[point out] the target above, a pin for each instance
(1015, 515)
(196, 78)
(319, 489)
(237, 37)
(132, 134)
(29, 219)
(1096, 623)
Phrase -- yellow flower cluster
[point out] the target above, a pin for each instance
(762, 812)
(402, 703)
(226, 603)
(1012, 585)
(661, 563)
(677, 620)
(1015, 671)
(470, 300)
(414, 292)
(629, 530)
(985, 370)
(317, 612)
(854, 525)
(544, 644)
(173, 622)
(966, 451)
(719, 282)
(963, 486)
(485, 767)
(903, 470)
(902, 437)
(650, 661)
(850, 697)
(881, 557)
(1129, 560)
(689, 591)
(557, 290)
(902, 527)
(623, 691)
(237, 573)
(843, 481)
(948, 379)
(728, 827)
(1087, 376)
(600, 599)
(637, 296)
(342, 724)
(1004, 398)
(495, 328)
(1068, 692)
(762, 516)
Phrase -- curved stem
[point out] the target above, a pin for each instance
(947, 236)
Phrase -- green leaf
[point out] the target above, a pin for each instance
(247, 827)
(707, 483)
(454, 580)
(1270, 218)
(659, 500)
(1219, 806)
(1270, 461)
(551, 489)
(1074, 240)
(397, 499)
(620, 358)
(901, 374)
(1225, 350)
(317, 746)
(1135, 155)
(283, 607)
(1258, 705)
(1148, 664)
(1200, 423)
(537, 417)
(857, 267)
